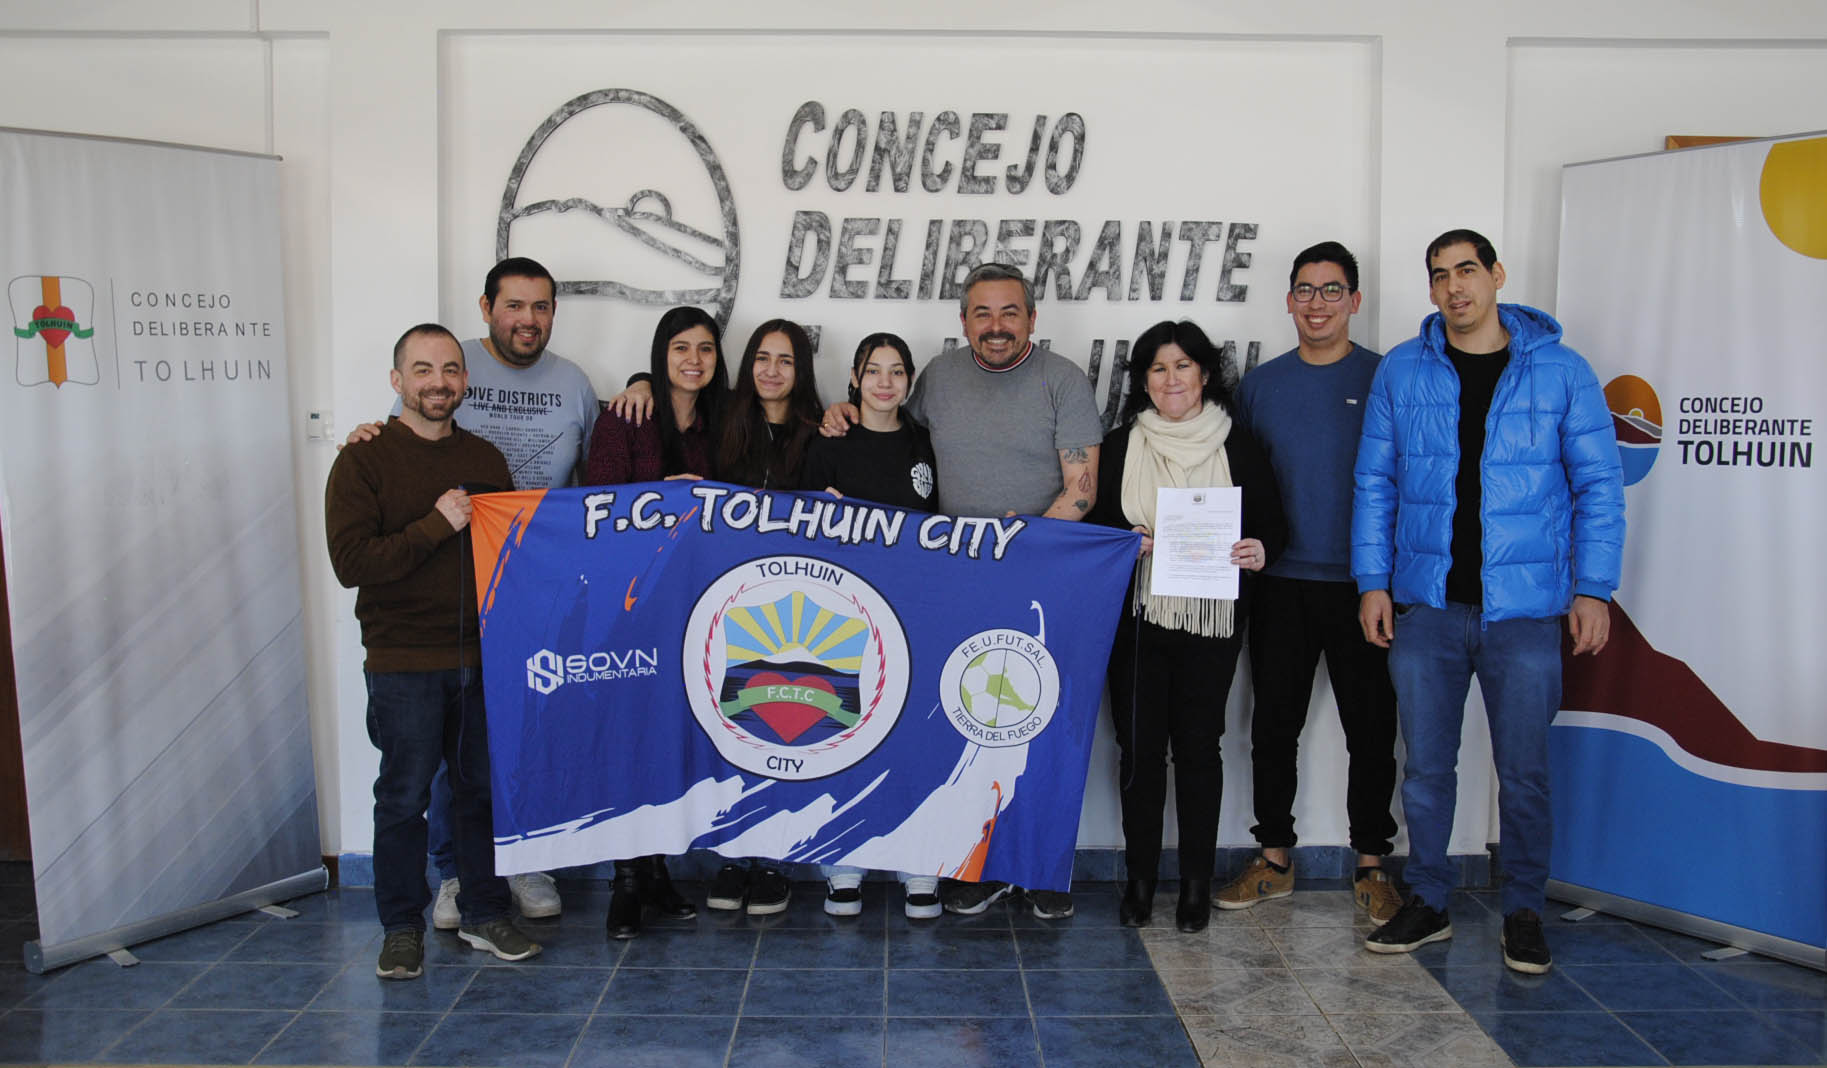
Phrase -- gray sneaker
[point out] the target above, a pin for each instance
(501, 938)
(444, 913)
(402, 955)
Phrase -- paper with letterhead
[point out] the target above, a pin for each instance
(1194, 532)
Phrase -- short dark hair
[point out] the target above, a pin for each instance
(879, 340)
(422, 330)
(515, 267)
(1194, 343)
(1327, 252)
(1487, 254)
(994, 272)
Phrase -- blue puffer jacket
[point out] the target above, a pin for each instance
(1553, 508)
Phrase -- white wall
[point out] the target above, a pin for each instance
(1472, 112)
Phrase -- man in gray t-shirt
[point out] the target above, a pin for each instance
(1014, 426)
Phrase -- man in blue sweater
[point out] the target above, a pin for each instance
(1306, 407)
(1489, 503)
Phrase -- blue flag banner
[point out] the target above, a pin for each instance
(692, 665)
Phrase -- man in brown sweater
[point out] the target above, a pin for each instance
(394, 510)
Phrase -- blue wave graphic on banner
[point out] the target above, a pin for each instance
(671, 666)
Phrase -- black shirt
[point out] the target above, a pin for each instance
(1478, 374)
(894, 467)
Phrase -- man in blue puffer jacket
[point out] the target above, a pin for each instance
(1489, 502)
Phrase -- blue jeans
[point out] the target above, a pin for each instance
(437, 817)
(418, 720)
(1432, 660)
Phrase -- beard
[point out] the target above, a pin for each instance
(434, 406)
(505, 348)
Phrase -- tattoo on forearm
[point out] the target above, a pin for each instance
(1082, 505)
(1075, 456)
(1086, 483)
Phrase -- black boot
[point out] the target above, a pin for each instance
(657, 890)
(1138, 905)
(1195, 908)
(625, 901)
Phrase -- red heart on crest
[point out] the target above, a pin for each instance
(789, 719)
(54, 336)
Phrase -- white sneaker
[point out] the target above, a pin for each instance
(444, 914)
(535, 895)
(923, 898)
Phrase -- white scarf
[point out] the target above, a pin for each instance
(1183, 455)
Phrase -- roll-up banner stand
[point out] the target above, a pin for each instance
(1690, 757)
(147, 511)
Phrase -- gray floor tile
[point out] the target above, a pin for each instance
(1374, 989)
(1263, 992)
(1245, 1041)
(1419, 1040)
(1213, 948)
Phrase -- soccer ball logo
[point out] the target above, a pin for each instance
(1000, 688)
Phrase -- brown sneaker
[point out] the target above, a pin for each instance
(1377, 896)
(1259, 882)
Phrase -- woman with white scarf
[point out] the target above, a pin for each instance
(1173, 658)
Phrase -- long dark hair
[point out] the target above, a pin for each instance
(1194, 343)
(711, 398)
(880, 340)
(750, 455)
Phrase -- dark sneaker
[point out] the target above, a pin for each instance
(1258, 882)
(729, 889)
(1376, 895)
(768, 892)
(968, 899)
(843, 900)
(501, 938)
(1415, 925)
(1050, 904)
(402, 955)
(1524, 947)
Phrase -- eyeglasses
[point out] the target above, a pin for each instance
(1331, 292)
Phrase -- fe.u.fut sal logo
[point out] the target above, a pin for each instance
(1000, 688)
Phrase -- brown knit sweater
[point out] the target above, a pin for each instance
(417, 599)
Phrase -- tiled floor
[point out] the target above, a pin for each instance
(1285, 983)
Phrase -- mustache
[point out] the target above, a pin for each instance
(996, 335)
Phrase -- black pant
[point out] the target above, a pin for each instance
(1291, 622)
(1170, 686)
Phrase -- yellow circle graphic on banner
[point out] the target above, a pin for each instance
(1794, 195)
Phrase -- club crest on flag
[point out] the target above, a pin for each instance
(795, 668)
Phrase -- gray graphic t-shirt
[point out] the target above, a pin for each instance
(539, 417)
